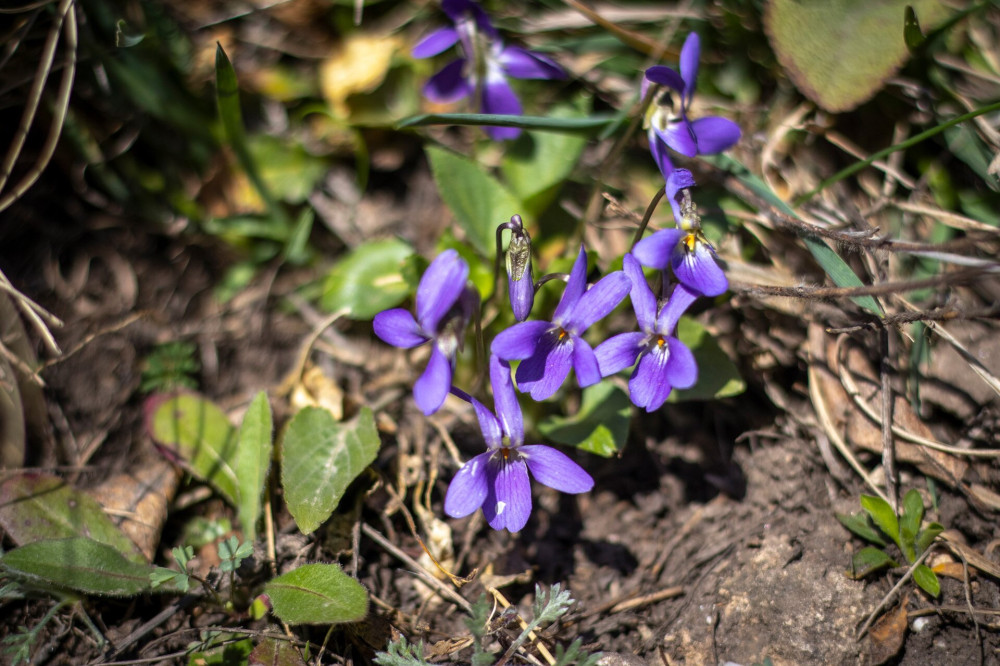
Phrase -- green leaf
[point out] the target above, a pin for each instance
(882, 514)
(859, 525)
(288, 170)
(912, 34)
(926, 537)
(586, 125)
(320, 458)
(272, 652)
(841, 52)
(867, 560)
(537, 163)
(253, 461)
(78, 564)
(927, 580)
(717, 375)
(317, 594)
(830, 261)
(227, 97)
(39, 507)
(599, 426)
(478, 201)
(909, 524)
(200, 434)
(368, 280)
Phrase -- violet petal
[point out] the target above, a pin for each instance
(508, 500)
(598, 301)
(585, 364)
(682, 369)
(649, 385)
(430, 390)
(469, 487)
(440, 287)
(398, 328)
(678, 303)
(488, 425)
(715, 134)
(555, 469)
(575, 286)
(545, 371)
(699, 270)
(499, 98)
(643, 300)
(679, 136)
(435, 43)
(505, 400)
(522, 64)
(520, 340)
(665, 76)
(619, 352)
(656, 250)
(690, 53)
(448, 85)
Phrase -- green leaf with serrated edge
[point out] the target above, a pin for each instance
(599, 426)
(867, 560)
(369, 279)
(38, 507)
(882, 515)
(927, 580)
(830, 261)
(717, 375)
(200, 434)
(272, 652)
(587, 125)
(841, 52)
(320, 458)
(317, 594)
(78, 564)
(537, 163)
(253, 461)
(478, 201)
(859, 525)
(927, 535)
(909, 523)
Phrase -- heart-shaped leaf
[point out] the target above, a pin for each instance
(369, 279)
(317, 594)
(599, 426)
(320, 458)
(478, 201)
(840, 52)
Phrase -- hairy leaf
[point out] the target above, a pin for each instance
(317, 594)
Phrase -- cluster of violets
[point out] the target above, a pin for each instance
(497, 480)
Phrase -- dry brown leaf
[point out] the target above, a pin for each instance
(887, 635)
(138, 500)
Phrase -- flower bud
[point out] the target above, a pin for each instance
(519, 279)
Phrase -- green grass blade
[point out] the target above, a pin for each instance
(586, 125)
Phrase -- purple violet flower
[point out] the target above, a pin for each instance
(483, 67)
(548, 350)
(665, 362)
(497, 480)
(687, 251)
(704, 136)
(520, 286)
(444, 306)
